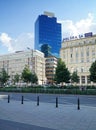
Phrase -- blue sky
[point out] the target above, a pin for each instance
(17, 18)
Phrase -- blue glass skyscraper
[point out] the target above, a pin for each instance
(48, 31)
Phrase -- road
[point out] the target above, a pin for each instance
(87, 100)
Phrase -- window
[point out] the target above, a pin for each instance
(88, 79)
(82, 60)
(88, 60)
(77, 54)
(93, 51)
(71, 49)
(87, 51)
(82, 54)
(76, 59)
(83, 79)
(82, 69)
(64, 54)
(71, 55)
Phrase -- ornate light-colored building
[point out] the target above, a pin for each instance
(78, 55)
(15, 62)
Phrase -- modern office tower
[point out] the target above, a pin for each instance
(46, 49)
(14, 63)
(48, 31)
(79, 53)
(50, 67)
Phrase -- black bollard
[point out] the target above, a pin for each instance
(78, 102)
(22, 99)
(8, 98)
(56, 102)
(37, 100)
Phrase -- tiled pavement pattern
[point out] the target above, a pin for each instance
(46, 116)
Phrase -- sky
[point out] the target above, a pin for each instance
(17, 19)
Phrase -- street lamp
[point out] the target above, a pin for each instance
(52, 75)
(31, 55)
(42, 73)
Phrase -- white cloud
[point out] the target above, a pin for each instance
(20, 43)
(69, 28)
(6, 41)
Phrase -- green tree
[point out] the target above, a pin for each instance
(93, 72)
(26, 74)
(4, 76)
(34, 78)
(16, 78)
(62, 74)
(74, 77)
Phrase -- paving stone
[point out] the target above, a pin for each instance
(65, 117)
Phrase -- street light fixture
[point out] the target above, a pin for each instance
(31, 55)
(52, 75)
(42, 72)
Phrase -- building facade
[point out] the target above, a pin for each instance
(15, 63)
(48, 31)
(50, 67)
(79, 54)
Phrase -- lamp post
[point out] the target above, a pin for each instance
(52, 74)
(42, 73)
(31, 55)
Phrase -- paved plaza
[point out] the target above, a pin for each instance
(29, 116)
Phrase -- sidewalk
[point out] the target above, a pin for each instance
(65, 117)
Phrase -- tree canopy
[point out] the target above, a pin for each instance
(16, 78)
(28, 76)
(62, 74)
(34, 78)
(4, 76)
(74, 77)
(93, 72)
